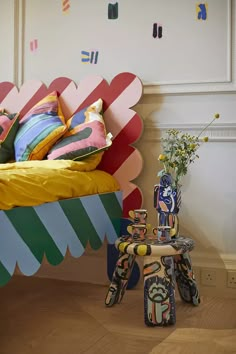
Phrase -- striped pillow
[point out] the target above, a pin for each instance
(86, 135)
(39, 129)
(9, 124)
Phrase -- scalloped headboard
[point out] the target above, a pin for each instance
(122, 159)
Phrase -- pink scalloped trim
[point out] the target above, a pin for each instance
(122, 159)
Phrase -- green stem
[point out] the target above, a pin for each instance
(165, 168)
(205, 127)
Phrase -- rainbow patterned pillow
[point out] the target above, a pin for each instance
(9, 124)
(86, 135)
(39, 129)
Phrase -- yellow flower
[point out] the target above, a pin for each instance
(205, 139)
(217, 116)
(162, 157)
(192, 146)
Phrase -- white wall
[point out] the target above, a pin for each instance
(208, 206)
(208, 212)
(8, 26)
(127, 43)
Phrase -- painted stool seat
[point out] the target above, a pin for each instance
(165, 264)
(151, 247)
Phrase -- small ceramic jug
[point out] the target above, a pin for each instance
(162, 233)
(139, 216)
(138, 231)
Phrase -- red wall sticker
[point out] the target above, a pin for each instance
(65, 6)
(34, 45)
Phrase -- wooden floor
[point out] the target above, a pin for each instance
(43, 316)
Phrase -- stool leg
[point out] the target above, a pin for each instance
(120, 278)
(159, 291)
(185, 279)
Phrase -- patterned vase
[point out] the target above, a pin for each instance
(167, 201)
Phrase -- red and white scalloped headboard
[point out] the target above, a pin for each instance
(122, 159)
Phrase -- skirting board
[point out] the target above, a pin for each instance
(92, 268)
(220, 289)
(86, 269)
(217, 261)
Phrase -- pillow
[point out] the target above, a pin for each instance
(39, 129)
(9, 124)
(86, 135)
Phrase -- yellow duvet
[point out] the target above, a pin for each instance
(32, 183)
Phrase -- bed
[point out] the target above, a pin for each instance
(97, 191)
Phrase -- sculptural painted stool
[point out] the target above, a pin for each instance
(162, 263)
(167, 202)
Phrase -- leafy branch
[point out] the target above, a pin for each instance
(179, 150)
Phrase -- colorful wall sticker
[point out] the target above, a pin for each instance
(157, 30)
(113, 10)
(90, 57)
(202, 10)
(34, 45)
(65, 6)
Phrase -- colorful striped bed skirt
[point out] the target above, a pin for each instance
(27, 234)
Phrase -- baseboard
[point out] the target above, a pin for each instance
(214, 260)
(220, 289)
(92, 268)
(220, 264)
(86, 269)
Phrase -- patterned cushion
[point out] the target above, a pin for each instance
(9, 124)
(86, 135)
(39, 129)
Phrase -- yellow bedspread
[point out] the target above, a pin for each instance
(32, 183)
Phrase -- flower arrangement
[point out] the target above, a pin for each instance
(179, 151)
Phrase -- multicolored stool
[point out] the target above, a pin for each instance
(164, 264)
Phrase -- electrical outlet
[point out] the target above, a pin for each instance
(208, 277)
(231, 279)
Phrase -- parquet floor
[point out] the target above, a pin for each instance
(43, 316)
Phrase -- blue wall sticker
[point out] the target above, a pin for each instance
(89, 57)
(202, 9)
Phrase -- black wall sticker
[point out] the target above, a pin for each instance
(113, 11)
(157, 30)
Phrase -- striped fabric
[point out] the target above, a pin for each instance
(86, 135)
(9, 124)
(52, 228)
(39, 129)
